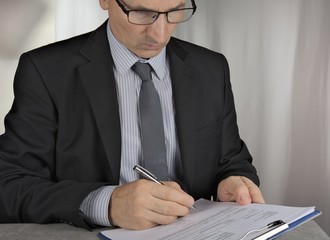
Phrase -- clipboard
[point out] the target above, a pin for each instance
(278, 228)
(297, 223)
(224, 220)
(266, 232)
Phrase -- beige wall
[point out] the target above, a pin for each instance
(24, 25)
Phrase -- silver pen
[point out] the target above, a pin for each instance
(148, 175)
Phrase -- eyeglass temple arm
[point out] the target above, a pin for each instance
(194, 5)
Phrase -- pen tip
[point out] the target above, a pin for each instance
(193, 207)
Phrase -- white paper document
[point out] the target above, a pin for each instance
(220, 221)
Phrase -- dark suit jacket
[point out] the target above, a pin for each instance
(63, 138)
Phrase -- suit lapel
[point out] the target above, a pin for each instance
(98, 79)
(184, 94)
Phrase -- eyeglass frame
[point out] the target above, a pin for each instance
(126, 11)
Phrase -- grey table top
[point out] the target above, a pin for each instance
(309, 230)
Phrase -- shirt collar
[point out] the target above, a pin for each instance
(124, 59)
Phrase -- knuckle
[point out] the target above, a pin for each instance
(140, 184)
(170, 211)
(174, 184)
(241, 189)
(137, 201)
(169, 194)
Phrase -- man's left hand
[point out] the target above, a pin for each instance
(239, 189)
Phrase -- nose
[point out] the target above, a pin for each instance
(159, 30)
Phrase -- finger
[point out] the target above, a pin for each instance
(254, 191)
(155, 218)
(168, 208)
(257, 196)
(234, 189)
(172, 194)
(174, 185)
(130, 203)
(158, 210)
(242, 194)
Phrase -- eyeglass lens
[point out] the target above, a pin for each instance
(148, 17)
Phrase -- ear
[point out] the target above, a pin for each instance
(104, 4)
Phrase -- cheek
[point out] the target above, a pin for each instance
(171, 30)
(122, 29)
(133, 36)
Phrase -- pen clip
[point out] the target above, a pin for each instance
(274, 224)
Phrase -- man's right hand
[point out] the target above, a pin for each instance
(144, 204)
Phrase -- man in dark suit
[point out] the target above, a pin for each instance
(70, 142)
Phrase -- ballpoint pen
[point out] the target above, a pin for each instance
(148, 175)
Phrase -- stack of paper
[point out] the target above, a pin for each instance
(227, 221)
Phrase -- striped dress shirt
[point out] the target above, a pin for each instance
(128, 83)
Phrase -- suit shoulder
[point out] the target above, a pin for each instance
(62, 48)
(197, 55)
(197, 50)
(69, 47)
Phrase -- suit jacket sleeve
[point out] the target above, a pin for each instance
(236, 159)
(29, 189)
(210, 145)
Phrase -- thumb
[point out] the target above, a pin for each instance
(234, 189)
(243, 198)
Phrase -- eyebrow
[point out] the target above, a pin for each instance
(180, 5)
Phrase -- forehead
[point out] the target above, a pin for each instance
(155, 4)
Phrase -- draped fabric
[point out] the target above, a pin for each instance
(279, 55)
(74, 17)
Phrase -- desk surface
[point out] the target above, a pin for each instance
(309, 230)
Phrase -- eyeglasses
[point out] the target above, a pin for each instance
(147, 17)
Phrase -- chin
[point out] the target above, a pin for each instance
(148, 53)
(152, 54)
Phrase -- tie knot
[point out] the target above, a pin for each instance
(143, 70)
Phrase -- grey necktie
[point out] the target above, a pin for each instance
(152, 129)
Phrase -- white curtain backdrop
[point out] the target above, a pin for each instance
(279, 55)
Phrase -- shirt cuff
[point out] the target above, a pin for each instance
(95, 206)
